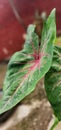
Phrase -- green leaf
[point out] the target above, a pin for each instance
(49, 30)
(56, 121)
(27, 67)
(32, 38)
(53, 83)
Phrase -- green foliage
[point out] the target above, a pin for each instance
(55, 123)
(53, 83)
(28, 66)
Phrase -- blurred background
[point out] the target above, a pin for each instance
(15, 16)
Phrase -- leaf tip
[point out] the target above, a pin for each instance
(31, 28)
(53, 11)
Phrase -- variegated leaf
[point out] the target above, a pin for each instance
(28, 66)
(53, 83)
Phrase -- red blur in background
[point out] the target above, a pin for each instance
(12, 31)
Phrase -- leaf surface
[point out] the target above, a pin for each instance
(28, 66)
(53, 83)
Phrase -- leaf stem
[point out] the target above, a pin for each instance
(55, 123)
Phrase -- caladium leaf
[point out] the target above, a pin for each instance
(53, 83)
(28, 66)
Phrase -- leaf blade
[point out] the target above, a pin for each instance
(25, 69)
(53, 83)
